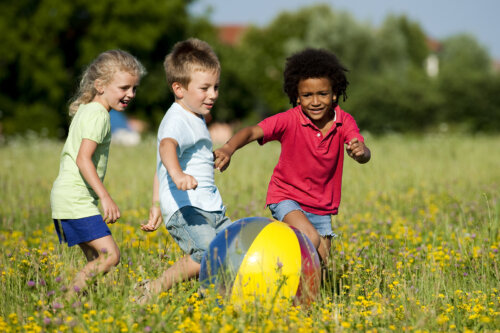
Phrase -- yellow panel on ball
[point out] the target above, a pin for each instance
(272, 261)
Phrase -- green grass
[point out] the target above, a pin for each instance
(417, 248)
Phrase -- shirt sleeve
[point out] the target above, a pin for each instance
(95, 124)
(350, 129)
(274, 127)
(177, 129)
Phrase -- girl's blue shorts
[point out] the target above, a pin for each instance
(76, 231)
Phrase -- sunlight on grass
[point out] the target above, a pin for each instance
(417, 248)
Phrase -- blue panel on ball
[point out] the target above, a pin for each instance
(228, 248)
(250, 229)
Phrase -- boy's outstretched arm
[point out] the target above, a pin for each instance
(358, 151)
(169, 158)
(155, 218)
(222, 156)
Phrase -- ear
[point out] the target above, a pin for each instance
(334, 98)
(178, 90)
(99, 86)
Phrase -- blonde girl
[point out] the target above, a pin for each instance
(109, 82)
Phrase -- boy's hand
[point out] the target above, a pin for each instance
(110, 210)
(155, 219)
(358, 151)
(184, 182)
(222, 158)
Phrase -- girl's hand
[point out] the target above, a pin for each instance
(110, 210)
(155, 219)
(184, 182)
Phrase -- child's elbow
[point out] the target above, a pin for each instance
(80, 161)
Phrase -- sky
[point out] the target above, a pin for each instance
(438, 18)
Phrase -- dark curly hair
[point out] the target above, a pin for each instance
(314, 63)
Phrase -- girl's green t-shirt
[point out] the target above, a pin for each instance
(71, 196)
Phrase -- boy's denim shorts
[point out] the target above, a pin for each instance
(322, 223)
(193, 229)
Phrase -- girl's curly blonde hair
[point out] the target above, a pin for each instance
(103, 68)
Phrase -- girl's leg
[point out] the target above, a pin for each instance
(102, 254)
(89, 252)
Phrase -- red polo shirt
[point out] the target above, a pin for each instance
(309, 169)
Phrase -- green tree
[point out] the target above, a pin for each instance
(395, 102)
(256, 66)
(399, 44)
(465, 80)
(47, 44)
(388, 91)
(338, 32)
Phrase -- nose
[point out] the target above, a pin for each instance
(316, 100)
(213, 93)
(131, 92)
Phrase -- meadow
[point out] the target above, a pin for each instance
(417, 249)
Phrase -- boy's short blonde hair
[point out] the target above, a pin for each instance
(187, 57)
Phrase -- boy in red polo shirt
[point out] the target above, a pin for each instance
(304, 190)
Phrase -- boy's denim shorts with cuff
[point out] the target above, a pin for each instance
(322, 223)
(193, 229)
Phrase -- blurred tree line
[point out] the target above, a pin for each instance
(47, 43)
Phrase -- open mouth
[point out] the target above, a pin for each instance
(316, 111)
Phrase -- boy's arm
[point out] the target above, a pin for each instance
(243, 137)
(155, 218)
(168, 155)
(111, 212)
(358, 151)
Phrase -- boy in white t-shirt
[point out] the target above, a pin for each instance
(184, 186)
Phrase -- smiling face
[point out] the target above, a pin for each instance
(317, 99)
(117, 93)
(201, 93)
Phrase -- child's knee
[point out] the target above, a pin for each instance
(111, 258)
(311, 233)
(115, 258)
(314, 237)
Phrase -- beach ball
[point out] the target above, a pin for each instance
(257, 258)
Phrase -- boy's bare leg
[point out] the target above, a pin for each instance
(181, 270)
(299, 220)
(324, 249)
